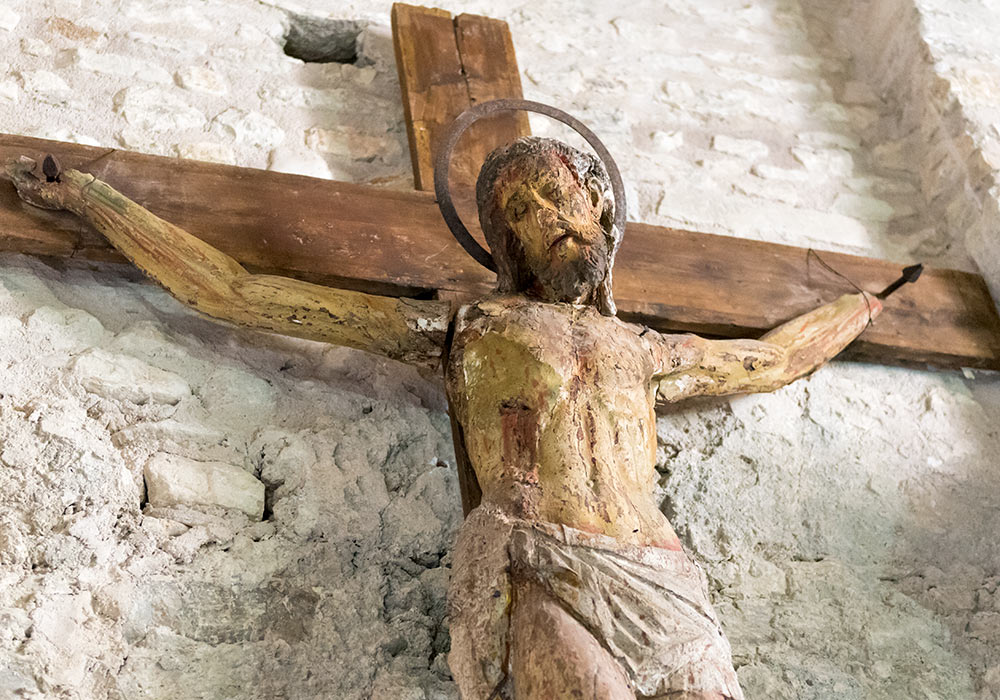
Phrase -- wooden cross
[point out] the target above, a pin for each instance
(395, 243)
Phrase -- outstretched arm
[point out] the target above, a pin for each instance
(215, 284)
(695, 366)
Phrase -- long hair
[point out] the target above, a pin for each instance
(588, 171)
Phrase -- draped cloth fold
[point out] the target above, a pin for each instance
(647, 606)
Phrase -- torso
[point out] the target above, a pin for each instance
(556, 404)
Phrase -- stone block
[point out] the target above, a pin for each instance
(114, 64)
(831, 111)
(45, 84)
(678, 90)
(181, 45)
(61, 422)
(863, 117)
(67, 330)
(252, 128)
(198, 79)
(351, 143)
(9, 91)
(901, 154)
(828, 161)
(788, 192)
(156, 109)
(207, 151)
(124, 378)
(985, 626)
(363, 75)
(298, 162)
(170, 15)
(773, 172)
(138, 139)
(31, 46)
(881, 185)
(8, 19)
(861, 207)
(856, 92)
(666, 141)
(63, 133)
(173, 480)
(825, 139)
(749, 149)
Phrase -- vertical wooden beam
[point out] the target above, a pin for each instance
(445, 66)
(431, 79)
(490, 67)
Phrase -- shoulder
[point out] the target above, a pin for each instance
(505, 311)
(672, 352)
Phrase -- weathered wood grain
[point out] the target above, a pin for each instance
(445, 66)
(395, 243)
(431, 80)
(270, 222)
(490, 67)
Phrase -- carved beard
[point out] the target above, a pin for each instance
(566, 278)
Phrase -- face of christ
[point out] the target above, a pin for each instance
(547, 210)
(552, 228)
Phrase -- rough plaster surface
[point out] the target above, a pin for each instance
(846, 522)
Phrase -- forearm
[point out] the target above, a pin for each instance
(409, 330)
(190, 269)
(813, 338)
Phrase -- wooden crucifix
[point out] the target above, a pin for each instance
(568, 581)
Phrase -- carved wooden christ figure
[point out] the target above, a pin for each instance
(568, 581)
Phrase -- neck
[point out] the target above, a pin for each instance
(532, 298)
(578, 297)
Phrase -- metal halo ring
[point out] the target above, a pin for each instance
(442, 165)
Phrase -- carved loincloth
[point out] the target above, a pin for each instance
(647, 606)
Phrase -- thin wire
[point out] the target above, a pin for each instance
(864, 294)
(90, 164)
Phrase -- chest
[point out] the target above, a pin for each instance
(536, 355)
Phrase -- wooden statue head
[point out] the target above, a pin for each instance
(547, 211)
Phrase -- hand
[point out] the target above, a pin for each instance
(38, 186)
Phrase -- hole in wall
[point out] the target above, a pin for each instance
(322, 40)
(269, 489)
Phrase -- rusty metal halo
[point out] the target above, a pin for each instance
(442, 165)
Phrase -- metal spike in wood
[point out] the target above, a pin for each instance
(910, 274)
(50, 166)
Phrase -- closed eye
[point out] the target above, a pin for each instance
(517, 212)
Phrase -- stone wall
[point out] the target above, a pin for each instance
(961, 45)
(845, 522)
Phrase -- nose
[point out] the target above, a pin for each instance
(556, 219)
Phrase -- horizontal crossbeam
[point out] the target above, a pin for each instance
(395, 243)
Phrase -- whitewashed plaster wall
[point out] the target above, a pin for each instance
(935, 65)
(847, 522)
